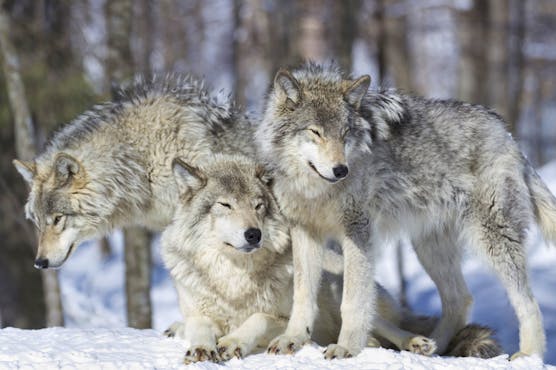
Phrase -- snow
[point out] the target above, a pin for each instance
(96, 336)
(126, 348)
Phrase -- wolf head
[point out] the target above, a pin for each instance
(312, 128)
(228, 203)
(61, 205)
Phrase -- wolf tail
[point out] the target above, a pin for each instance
(471, 341)
(544, 203)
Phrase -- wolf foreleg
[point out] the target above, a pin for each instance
(257, 330)
(307, 264)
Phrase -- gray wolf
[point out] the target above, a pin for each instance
(228, 250)
(111, 166)
(443, 173)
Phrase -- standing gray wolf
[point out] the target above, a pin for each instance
(445, 174)
(229, 253)
(111, 166)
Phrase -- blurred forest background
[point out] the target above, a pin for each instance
(61, 57)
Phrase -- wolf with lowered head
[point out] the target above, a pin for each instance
(445, 174)
(111, 166)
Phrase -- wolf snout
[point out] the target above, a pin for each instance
(340, 171)
(41, 263)
(253, 236)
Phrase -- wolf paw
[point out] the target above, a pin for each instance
(201, 353)
(175, 330)
(286, 345)
(336, 351)
(517, 355)
(229, 347)
(420, 345)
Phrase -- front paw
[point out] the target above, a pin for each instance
(229, 347)
(420, 345)
(175, 330)
(336, 351)
(286, 344)
(201, 353)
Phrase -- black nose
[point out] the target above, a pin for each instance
(340, 171)
(41, 263)
(253, 236)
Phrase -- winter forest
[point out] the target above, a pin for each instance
(61, 57)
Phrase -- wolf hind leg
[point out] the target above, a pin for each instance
(499, 235)
(441, 259)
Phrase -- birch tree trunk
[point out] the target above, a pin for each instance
(26, 149)
(137, 240)
(251, 52)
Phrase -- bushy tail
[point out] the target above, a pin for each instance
(471, 341)
(474, 341)
(544, 203)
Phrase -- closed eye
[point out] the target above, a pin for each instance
(315, 132)
(227, 205)
(57, 219)
(259, 206)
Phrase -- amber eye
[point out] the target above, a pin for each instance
(227, 205)
(57, 219)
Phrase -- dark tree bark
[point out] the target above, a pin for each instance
(344, 15)
(396, 51)
(34, 304)
(498, 57)
(473, 66)
(137, 240)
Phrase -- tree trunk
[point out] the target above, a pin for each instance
(311, 42)
(137, 240)
(32, 300)
(397, 57)
(498, 57)
(138, 272)
(473, 66)
(518, 92)
(251, 52)
(345, 29)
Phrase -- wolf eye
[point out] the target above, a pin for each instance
(57, 219)
(315, 132)
(259, 206)
(227, 205)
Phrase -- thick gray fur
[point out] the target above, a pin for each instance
(443, 173)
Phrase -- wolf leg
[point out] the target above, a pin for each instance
(358, 300)
(257, 330)
(441, 259)
(307, 264)
(501, 241)
(200, 333)
(402, 339)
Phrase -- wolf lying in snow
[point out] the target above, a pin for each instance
(111, 167)
(228, 251)
(444, 173)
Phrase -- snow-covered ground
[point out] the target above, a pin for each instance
(126, 348)
(94, 302)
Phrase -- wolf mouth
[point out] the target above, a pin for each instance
(70, 250)
(318, 173)
(244, 249)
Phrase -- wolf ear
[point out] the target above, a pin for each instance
(26, 169)
(264, 175)
(356, 91)
(66, 168)
(188, 178)
(287, 87)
